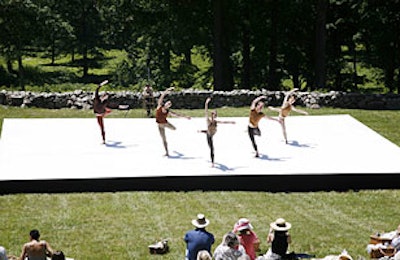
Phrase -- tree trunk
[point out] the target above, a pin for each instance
(53, 50)
(246, 46)
(354, 66)
(10, 68)
(21, 73)
(188, 56)
(273, 80)
(320, 44)
(85, 61)
(222, 69)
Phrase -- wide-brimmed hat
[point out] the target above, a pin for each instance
(280, 224)
(201, 221)
(344, 256)
(242, 224)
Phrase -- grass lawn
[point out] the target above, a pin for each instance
(121, 225)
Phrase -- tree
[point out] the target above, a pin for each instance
(320, 44)
(19, 29)
(222, 67)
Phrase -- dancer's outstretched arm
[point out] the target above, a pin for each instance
(274, 109)
(255, 101)
(225, 122)
(161, 99)
(289, 94)
(96, 94)
(206, 107)
(179, 115)
(299, 111)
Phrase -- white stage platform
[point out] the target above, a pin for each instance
(71, 149)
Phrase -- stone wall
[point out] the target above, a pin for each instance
(194, 99)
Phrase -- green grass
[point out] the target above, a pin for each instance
(121, 225)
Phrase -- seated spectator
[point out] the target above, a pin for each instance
(387, 244)
(230, 248)
(3, 253)
(279, 238)
(36, 249)
(198, 239)
(247, 237)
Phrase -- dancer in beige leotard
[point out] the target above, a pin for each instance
(212, 128)
(285, 109)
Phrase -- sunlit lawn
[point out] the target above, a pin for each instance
(121, 225)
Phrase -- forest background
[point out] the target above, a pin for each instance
(321, 45)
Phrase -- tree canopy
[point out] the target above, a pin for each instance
(272, 44)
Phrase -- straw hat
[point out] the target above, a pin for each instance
(280, 224)
(201, 221)
(344, 256)
(242, 224)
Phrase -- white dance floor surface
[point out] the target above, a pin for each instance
(35, 149)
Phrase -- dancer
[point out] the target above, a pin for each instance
(256, 115)
(101, 108)
(285, 109)
(163, 109)
(212, 128)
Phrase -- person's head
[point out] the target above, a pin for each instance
(167, 104)
(344, 256)
(34, 234)
(292, 99)
(3, 253)
(201, 221)
(203, 255)
(243, 226)
(259, 105)
(280, 224)
(230, 239)
(214, 114)
(104, 96)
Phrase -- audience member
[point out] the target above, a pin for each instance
(392, 239)
(36, 249)
(3, 253)
(279, 238)
(247, 237)
(148, 99)
(198, 239)
(230, 248)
